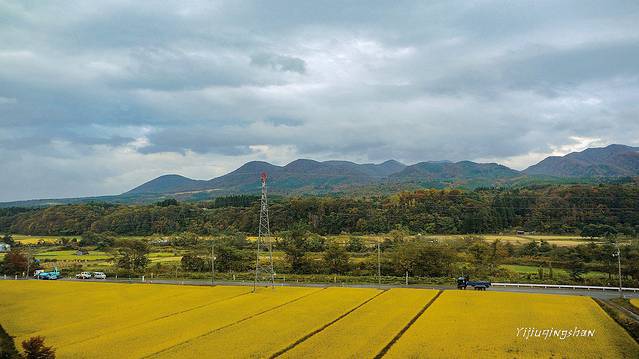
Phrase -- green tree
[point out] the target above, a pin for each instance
(576, 265)
(316, 243)
(355, 244)
(8, 239)
(8, 348)
(16, 261)
(186, 239)
(295, 245)
(598, 230)
(133, 255)
(336, 259)
(422, 258)
(487, 256)
(192, 263)
(230, 258)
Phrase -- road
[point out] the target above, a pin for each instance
(590, 293)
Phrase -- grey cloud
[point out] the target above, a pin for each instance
(279, 62)
(284, 121)
(97, 96)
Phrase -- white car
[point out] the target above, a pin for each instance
(84, 275)
(99, 275)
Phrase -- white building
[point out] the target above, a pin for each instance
(4, 247)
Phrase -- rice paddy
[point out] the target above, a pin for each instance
(493, 324)
(112, 320)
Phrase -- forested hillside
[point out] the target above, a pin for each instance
(549, 209)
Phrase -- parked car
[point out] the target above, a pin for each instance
(84, 275)
(51, 274)
(99, 275)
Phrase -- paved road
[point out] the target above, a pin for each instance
(590, 293)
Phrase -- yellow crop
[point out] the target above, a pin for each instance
(163, 333)
(635, 302)
(118, 320)
(264, 335)
(366, 331)
(34, 239)
(138, 311)
(485, 325)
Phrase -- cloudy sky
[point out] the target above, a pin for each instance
(97, 97)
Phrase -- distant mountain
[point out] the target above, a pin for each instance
(302, 175)
(610, 161)
(306, 176)
(169, 184)
(456, 170)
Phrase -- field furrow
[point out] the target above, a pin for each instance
(267, 334)
(157, 335)
(118, 320)
(53, 304)
(485, 325)
(141, 313)
(364, 332)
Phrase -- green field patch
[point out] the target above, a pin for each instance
(72, 255)
(524, 269)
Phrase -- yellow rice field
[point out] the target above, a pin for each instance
(24, 239)
(365, 332)
(485, 325)
(109, 320)
(635, 302)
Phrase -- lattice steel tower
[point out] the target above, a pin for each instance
(264, 271)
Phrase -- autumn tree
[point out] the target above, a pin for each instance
(34, 348)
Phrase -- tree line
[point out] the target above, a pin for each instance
(594, 210)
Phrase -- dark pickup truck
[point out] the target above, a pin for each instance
(463, 282)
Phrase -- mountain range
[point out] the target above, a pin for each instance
(305, 176)
(610, 161)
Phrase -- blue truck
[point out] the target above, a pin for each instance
(463, 282)
(52, 274)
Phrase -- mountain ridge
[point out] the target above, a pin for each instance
(611, 161)
(307, 176)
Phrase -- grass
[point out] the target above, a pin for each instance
(71, 255)
(524, 269)
(485, 324)
(559, 240)
(108, 320)
(621, 317)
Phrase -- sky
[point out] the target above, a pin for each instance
(97, 97)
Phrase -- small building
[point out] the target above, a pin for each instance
(81, 253)
(5, 247)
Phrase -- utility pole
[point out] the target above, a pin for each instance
(28, 262)
(619, 263)
(264, 231)
(212, 262)
(379, 266)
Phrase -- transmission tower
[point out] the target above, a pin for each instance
(264, 271)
